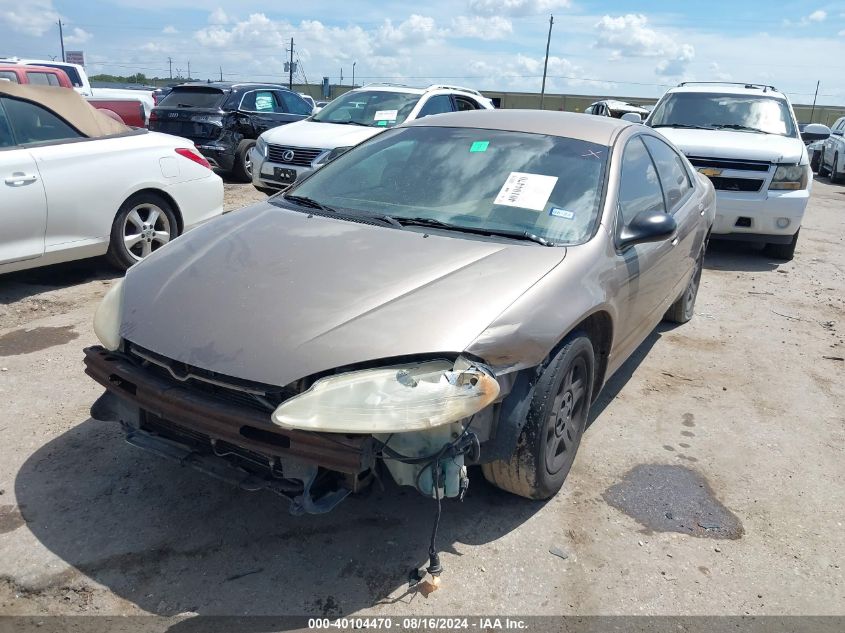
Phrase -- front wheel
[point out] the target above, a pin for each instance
(784, 251)
(553, 427)
(143, 224)
(822, 169)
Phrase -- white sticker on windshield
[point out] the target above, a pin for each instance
(528, 191)
(385, 115)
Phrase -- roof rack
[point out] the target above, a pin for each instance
(763, 87)
(447, 87)
(384, 83)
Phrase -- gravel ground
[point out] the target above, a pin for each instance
(711, 480)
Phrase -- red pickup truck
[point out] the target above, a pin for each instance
(128, 111)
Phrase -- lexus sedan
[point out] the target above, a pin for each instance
(453, 291)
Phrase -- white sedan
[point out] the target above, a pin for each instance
(77, 184)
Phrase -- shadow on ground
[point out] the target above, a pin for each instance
(171, 540)
(740, 256)
(27, 283)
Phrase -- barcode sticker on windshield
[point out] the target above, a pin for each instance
(385, 115)
(527, 191)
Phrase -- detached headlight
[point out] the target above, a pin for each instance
(261, 147)
(391, 399)
(108, 316)
(791, 177)
(337, 151)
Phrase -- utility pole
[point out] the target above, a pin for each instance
(221, 73)
(546, 63)
(813, 111)
(353, 73)
(341, 76)
(170, 64)
(290, 68)
(189, 69)
(62, 40)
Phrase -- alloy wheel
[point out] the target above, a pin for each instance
(145, 229)
(568, 416)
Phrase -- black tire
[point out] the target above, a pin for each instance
(684, 307)
(783, 251)
(553, 427)
(814, 164)
(822, 169)
(136, 232)
(242, 169)
(835, 177)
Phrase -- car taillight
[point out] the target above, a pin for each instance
(193, 155)
(153, 116)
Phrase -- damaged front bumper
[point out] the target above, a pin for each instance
(241, 445)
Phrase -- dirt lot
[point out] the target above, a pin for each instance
(712, 480)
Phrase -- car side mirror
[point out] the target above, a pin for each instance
(815, 132)
(648, 226)
(633, 117)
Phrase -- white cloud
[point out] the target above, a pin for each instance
(31, 17)
(631, 36)
(218, 16)
(516, 7)
(817, 16)
(484, 28)
(417, 29)
(77, 36)
(170, 30)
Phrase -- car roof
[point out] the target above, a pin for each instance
(730, 89)
(229, 85)
(593, 129)
(416, 89)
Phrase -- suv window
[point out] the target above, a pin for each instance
(34, 124)
(260, 101)
(438, 104)
(193, 98)
(639, 186)
(42, 78)
(294, 103)
(670, 167)
(70, 71)
(8, 74)
(465, 103)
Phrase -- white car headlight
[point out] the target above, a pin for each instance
(261, 147)
(391, 399)
(330, 156)
(791, 177)
(108, 316)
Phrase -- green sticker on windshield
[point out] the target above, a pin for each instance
(479, 146)
(382, 122)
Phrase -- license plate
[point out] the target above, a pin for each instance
(283, 174)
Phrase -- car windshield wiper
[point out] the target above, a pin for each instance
(305, 201)
(683, 125)
(477, 230)
(350, 122)
(742, 128)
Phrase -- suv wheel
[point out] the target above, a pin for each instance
(553, 427)
(242, 170)
(783, 251)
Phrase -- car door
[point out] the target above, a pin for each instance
(685, 204)
(645, 270)
(23, 202)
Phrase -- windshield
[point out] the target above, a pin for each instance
(377, 108)
(751, 113)
(546, 186)
(193, 98)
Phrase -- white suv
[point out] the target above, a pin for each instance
(744, 137)
(286, 154)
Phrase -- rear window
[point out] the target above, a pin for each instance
(42, 78)
(70, 71)
(193, 98)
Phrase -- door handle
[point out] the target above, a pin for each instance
(700, 208)
(18, 179)
(675, 241)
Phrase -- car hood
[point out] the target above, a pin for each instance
(272, 295)
(737, 145)
(322, 135)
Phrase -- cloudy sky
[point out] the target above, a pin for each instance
(598, 47)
